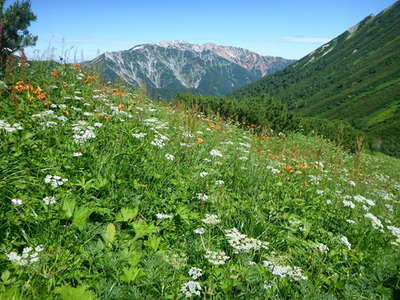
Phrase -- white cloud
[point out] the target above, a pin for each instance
(305, 39)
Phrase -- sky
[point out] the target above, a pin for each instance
(82, 29)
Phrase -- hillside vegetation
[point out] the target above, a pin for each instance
(355, 77)
(108, 195)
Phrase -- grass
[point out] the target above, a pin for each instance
(142, 179)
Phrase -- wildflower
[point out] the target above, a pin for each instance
(284, 271)
(289, 169)
(352, 183)
(199, 141)
(219, 182)
(28, 256)
(16, 202)
(139, 135)
(323, 248)
(211, 219)
(345, 242)
(54, 74)
(216, 257)
(203, 174)
(169, 156)
(54, 180)
(49, 200)
(202, 196)
(10, 127)
(320, 192)
(350, 221)
(215, 153)
(195, 273)
(243, 158)
(161, 216)
(191, 288)
(395, 231)
(267, 284)
(376, 223)
(242, 243)
(77, 154)
(158, 143)
(349, 204)
(200, 230)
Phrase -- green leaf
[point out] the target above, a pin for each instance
(131, 274)
(70, 293)
(127, 214)
(81, 216)
(109, 234)
(68, 207)
(153, 242)
(142, 229)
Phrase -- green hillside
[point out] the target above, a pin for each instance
(105, 194)
(354, 77)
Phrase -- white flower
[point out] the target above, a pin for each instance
(376, 223)
(158, 143)
(216, 257)
(195, 273)
(169, 156)
(349, 204)
(98, 124)
(203, 174)
(219, 182)
(323, 248)
(243, 158)
(395, 231)
(191, 288)
(242, 243)
(77, 154)
(267, 285)
(139, 135)
(284, 271)
(161, 216)
(200, 230)
(345, 242)
(16, 202)
(211, 219)
(352, 183)
(49, 200)
(320, 192)
(202, 196)
(350, 221)
(54, 180)
(215, 153)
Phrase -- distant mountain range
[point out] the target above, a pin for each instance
(354, 77)
(166, 68)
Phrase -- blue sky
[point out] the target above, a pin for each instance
(81, 29)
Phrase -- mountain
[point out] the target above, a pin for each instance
(169, 67)
(354, 77)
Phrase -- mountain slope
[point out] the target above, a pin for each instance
(168, 67)
(354, 77)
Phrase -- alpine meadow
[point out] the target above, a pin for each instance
(177, 170)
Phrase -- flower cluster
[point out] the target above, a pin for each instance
(216, 257)
(345, 242)
(396, 232)
(28, 256)
(211, 219)
(161, 216)
(284, 271)
(49, 200)
(10, 127)
(16, 202)
(191, 288)
(169, 157)
(215, 153)
(376, 223)
(195, 272)
(55, 180)
(242, 243)
(83, 132)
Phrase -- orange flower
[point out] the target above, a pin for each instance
(47, 103)
(89, 79)
(303, 166)
(121, 106)
(264, 138)
(76, 66)
(64, 85)
(199, 141)
(42, 96)
(37, 91)
(288, 168)
(54, 74)
(107, 118)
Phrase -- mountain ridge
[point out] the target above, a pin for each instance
(181, 66)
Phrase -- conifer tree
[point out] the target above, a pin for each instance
(14, 35)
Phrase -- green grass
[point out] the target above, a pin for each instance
(102, 237)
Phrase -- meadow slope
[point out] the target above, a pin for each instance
(105, 194)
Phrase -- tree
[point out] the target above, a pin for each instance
(14, 35)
